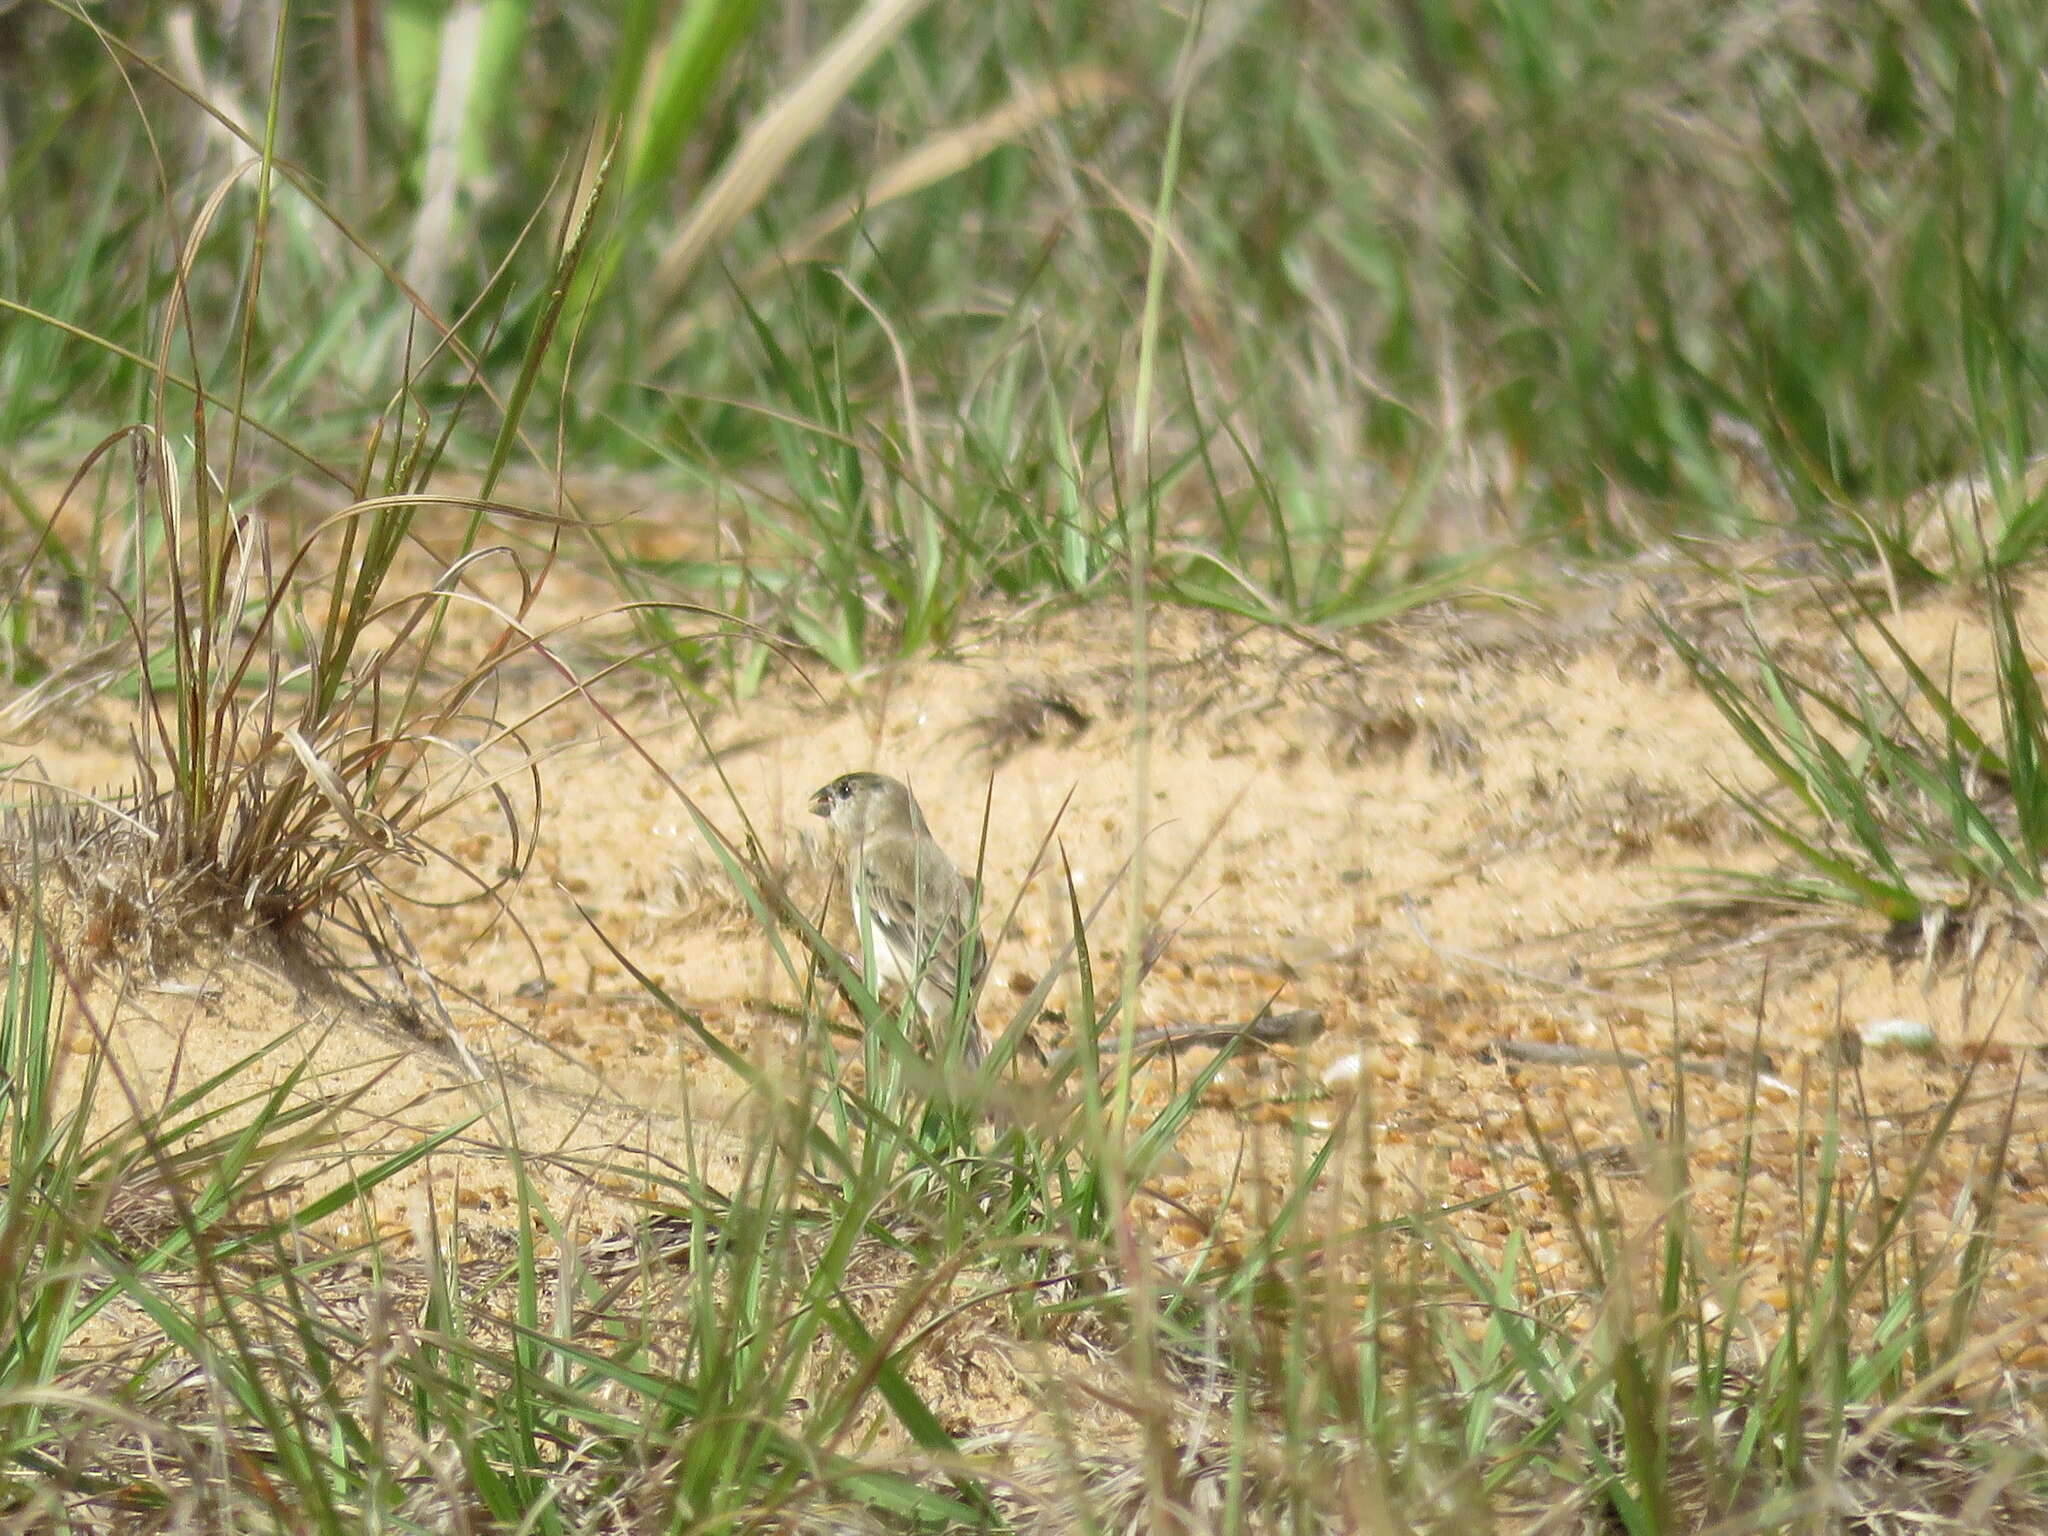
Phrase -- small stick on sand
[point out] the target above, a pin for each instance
(1544, 1053)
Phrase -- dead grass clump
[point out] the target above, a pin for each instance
(89, 871)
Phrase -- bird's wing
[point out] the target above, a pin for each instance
(929, 931)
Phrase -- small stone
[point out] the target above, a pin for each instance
(1345, 1071)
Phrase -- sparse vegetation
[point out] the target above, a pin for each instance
(802, 340)
(1908, 802)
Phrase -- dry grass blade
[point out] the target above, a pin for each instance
(929, 163)
(947, 154)
(780, 130)
(433, 233)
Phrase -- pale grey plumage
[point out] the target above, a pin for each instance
(907, 896)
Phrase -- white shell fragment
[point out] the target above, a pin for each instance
(1345, 1071)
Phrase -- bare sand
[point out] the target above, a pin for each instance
(1458, 839)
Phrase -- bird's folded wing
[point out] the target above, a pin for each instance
(929, 940)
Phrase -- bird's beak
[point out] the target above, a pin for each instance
(821, 804)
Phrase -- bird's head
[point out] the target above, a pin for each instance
(861, 805)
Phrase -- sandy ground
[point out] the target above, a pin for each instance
(1457, 839)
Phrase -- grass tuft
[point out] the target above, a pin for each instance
(1906, 801)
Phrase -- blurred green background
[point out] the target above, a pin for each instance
(864, 285)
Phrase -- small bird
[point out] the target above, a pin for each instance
(908, 895)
